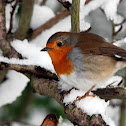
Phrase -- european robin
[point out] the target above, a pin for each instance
(50, 120)
(84, 60)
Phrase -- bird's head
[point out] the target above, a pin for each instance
(59, 45)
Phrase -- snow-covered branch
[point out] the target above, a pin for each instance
(74, 114)
(29, 70)
(111, 93)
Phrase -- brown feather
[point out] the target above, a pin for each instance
(93, 44)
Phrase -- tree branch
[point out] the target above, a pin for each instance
(66, 4)
(29, 70)
(9, 1)
(25, 18)
(111, 93)
(5, 46)
(75, 23)
(50, 88)
(12, 13)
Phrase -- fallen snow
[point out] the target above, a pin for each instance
(113, 81)
(62, 122)
(70, 1)
(12, 87)
(112, 113)
(120, 43)
(37, 20)
(110, 9)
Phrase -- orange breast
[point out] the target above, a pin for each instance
(62, 64)
(65, 66)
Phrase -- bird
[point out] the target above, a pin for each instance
(84, 60)
(50, 120)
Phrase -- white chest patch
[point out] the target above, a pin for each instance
(79, 82)
(84, 83)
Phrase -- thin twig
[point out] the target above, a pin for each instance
(12, 13)
(9, 1)
(116, 32)
(66, 4)
(42, 2)
(121, 26)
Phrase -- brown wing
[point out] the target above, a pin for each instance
(93, 44)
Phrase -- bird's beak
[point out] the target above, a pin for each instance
(46, 49)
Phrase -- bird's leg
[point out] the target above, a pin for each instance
(86, 94)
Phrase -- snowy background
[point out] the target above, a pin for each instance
(100, 15)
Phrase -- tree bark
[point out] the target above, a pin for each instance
(25, 19)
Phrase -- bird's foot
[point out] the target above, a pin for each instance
(86, 94)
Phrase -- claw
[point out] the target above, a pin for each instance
(86, 94)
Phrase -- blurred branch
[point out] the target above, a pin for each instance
(12, 13)
(66, 4)
(9, 1)
(42, 2)
(75, 23)
(7, 50)
(121, 26)
(123, 113)
(27, 99)
(49, 23)
(123, 108)
(5, 46)
(25, 19)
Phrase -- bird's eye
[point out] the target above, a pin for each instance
(59, 44)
